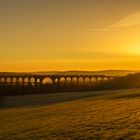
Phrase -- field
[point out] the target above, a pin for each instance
(82, 115)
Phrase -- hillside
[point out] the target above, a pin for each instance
(84, 115)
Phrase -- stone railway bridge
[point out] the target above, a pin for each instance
(54, 79)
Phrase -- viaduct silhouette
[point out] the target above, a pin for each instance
(54, 79)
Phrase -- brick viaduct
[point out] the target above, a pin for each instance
(34, 79)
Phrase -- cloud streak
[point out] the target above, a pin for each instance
(98, 29)
(127, 21)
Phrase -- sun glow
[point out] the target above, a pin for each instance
(134, 50)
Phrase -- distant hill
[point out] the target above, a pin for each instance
(104, 72)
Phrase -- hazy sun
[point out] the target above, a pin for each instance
(136, 50)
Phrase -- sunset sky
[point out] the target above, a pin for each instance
(45, 35)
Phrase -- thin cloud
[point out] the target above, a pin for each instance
(129, 20)
(99, 29)
(45, 29)
(55, 29)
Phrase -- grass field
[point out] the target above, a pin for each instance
(83, 115)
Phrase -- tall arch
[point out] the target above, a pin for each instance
(62, 80)
(8, 80)
(80, 80)
(99, 79)
(87, 80)
(93, 80)
(68, 80)
(14, 80)
(26, 80)
(110, 78)
(56, 81)
(2, 80)
(47, 81)
(38, 81)
(74, 80)
(20, 80)
(105, 79)
(32, 81)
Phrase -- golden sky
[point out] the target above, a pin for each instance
(45, 35)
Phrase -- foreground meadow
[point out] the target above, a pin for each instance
(84, 115)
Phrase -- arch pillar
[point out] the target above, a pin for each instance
(41, 81)
(35, 83)
(23, 82)
(53, 80)
(84, 80)
(77, 82)
(90, 80)
(96, 80)
(71, 80)
(29, 83)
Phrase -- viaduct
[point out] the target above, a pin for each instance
(54, 79)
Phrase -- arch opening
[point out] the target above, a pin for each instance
(87, 80)
(47, 81)
(81, 80)
(32, 81)
(74, 80)
(111, 78)
(2, 80)
(20, 81)
(14, 80)
(99, 79)
(68, 80)
(105, 78)
(38, 81)
(93, 80)
(56, 81)
(8, 80)
(62, 80)
(26, 81)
